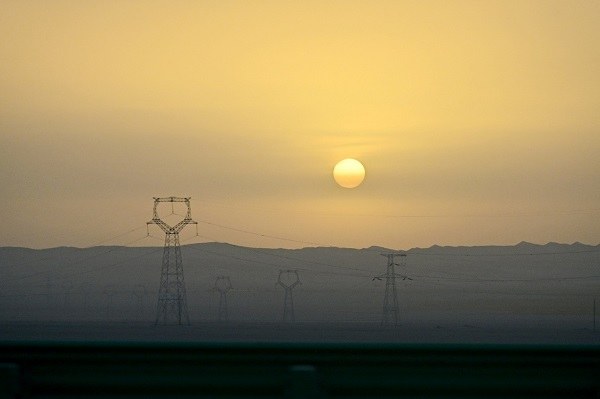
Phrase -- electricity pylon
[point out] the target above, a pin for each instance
(390, 301)
(288, 279)
(172, 303)
(223, 285)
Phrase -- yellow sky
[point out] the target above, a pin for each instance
(478, 120)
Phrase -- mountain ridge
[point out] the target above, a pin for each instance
(337, 283)
(521, 244)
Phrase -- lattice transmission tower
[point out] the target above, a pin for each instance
(390, 301)
(288, 279)
(172, 302)
(223, 285)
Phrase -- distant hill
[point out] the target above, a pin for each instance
(337, 283)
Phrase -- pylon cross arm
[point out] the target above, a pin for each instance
(281, 284)
(164, 227)
(171, 229)
(179, 226)
(172, 199)
(292, 285)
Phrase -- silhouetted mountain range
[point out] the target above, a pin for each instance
(337, 283)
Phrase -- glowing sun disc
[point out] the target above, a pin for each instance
(349, 173)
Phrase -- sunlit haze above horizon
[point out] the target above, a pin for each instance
(477, 122)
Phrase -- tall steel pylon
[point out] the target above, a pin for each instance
(288, 279)
(223, 285)
(390, 301)
(172, 302)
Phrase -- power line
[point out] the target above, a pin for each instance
(264, 263)
(367, 271)
(265, 252)
(509, 280)
(410, 251)
(274, 265)
(75, 262)
(114, 237)
(505, 255)
(257, 234)
(305, 260)
(95, 244)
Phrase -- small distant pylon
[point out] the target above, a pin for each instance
(288, 279)
(172, 302)
(390, 301)
(223, 285)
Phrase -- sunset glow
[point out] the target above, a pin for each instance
(478, 121)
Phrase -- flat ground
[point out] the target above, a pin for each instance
(423, 333)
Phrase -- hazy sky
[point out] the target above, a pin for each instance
(478, 122)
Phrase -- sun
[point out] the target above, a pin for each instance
(349, 173)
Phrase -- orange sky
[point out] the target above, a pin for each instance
(477, 122)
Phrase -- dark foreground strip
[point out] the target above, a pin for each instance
(115, 370)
